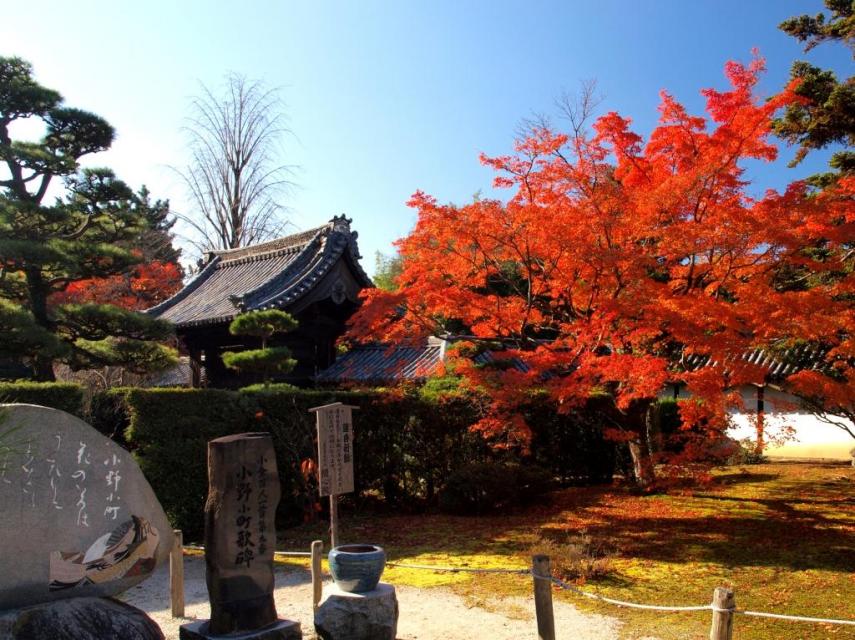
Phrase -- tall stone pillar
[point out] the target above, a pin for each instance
(240, 537)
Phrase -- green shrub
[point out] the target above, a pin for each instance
(273, 387)
(483, 487)
(108, 414)
(571, 444)
(575, 556)
(65, 396)
(407, 445)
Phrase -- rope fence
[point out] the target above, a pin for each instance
(723, 606)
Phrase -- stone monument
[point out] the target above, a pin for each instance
(240, 537)
(80, 521)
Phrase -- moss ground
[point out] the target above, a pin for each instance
(781, 535)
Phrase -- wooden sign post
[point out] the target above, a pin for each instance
(335, 456)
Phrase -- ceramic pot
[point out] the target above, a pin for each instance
(357, 567)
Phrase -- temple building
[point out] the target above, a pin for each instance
(313, 275)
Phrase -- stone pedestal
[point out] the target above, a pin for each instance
(372, 615)
(279, 630)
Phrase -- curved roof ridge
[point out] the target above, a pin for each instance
(299, 263)
(271, 246)
(333, 248)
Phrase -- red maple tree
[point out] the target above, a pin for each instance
(616, 257)
(143, 287)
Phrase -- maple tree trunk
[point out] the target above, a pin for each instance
(639, 447)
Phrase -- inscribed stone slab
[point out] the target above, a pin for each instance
(79, 518)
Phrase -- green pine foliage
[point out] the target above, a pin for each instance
(267, 361)
(92, 231)
(828, 118)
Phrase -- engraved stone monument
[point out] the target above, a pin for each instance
(240, 537)
(79, 523)
(79, 518)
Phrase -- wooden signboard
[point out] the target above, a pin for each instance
(335, 448)
(335, 456)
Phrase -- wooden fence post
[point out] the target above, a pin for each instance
(176, 574)
(541, 570)
(317, 577)
(723, 603)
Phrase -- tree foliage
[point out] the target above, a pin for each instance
(615, 258)
(86, 234)
(266, 360)
(386, 271)
(826, 114)
(234, 176)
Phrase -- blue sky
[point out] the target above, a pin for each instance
(388, 97)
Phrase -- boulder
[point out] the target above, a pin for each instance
(79, 517)
(78, 619)
(370, 615)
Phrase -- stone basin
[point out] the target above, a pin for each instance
(357, 568)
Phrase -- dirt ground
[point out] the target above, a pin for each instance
(425, 614)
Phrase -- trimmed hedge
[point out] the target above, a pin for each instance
(407, 445)
(65, 396)
(404, 445)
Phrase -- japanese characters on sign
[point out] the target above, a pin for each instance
(335, 449)
(244, 542)
(253, 522)
(55, 475)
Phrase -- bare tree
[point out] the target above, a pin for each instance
(234, 177)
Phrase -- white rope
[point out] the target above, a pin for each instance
(455, 569)
(586, 594)
(709, 607)
(296, 554)
(620, 603)
(781, 616)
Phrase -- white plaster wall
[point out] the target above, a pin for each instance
(790, 432)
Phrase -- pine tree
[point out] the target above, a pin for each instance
(266, 360)
(86, 233)
(826, 115)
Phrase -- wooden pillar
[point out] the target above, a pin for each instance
(723, 604)
(541, 570)
(195, 368)
(317, 575)
(761, 412)
(176, 574)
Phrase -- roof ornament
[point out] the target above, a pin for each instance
(238, 302)
(341, 223)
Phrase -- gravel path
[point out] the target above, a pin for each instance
(426, 614)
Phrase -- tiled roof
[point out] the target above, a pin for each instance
(382, 363)
(270, 275)
(179, 375)
(778, 365)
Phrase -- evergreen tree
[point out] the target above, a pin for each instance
(86, 233)
(266, 360)
(827, 116)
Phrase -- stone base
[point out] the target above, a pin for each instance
(280, 630)
(372, 615)
(78, 619)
